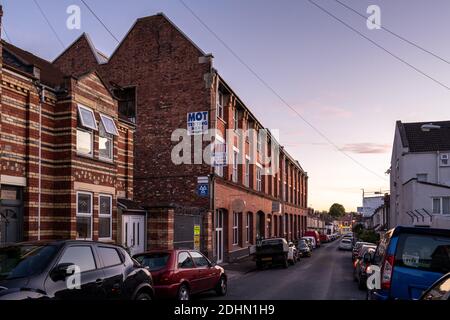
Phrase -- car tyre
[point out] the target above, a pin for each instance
(183, 293)
(143, 296)
(222, 287)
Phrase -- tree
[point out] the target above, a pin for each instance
(337, 210)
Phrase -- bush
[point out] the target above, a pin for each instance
(369, 236)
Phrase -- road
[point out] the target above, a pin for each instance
(327, 275)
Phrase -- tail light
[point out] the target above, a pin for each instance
(386, 272)
(355, 263)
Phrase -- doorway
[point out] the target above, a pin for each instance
(218, 235)
(133, 233)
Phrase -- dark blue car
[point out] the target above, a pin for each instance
(411, 260)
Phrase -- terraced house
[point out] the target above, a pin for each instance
(66, 154)
(165, 81)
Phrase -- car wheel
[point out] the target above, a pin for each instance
(222, 287)
(183, 293)
(143, 296)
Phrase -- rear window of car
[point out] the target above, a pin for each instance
(154, 261)
(346, 241)
(110, 256)
(425, 252)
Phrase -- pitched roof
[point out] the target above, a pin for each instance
(49, 74)
(416, 140)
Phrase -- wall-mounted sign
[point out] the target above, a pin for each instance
(196, 230)
(203, 190)
(197, 122)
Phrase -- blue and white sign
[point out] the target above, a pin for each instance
(197, 122)
(203, 190)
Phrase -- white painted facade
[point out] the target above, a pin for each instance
(416, 179)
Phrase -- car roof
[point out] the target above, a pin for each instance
(421, 230)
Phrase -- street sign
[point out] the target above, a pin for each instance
(196, 242)
(196, 230)
(203, 190)
(202, 179)
(197, 122)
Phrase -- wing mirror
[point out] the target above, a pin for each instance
(62, 271)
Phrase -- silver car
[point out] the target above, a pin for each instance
(346, 244)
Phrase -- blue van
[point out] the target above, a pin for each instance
(410, 260)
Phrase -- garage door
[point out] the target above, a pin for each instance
(185, 226)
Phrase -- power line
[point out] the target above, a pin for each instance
(6, 33)
(277, 94)
(415, 44)
(100, 20)
(379, 46)
(49, 24)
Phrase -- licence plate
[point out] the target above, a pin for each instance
(267, 259)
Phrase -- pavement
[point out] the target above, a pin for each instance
(327, 275)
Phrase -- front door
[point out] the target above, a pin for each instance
(218, 221)
(133, 234)
(10, 224)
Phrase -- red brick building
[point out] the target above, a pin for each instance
(160, 77)
(66, 155)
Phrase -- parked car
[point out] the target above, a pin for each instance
(357, 247)
(411, 260)
(309, 242)
(324, 238)
(440, 290)
(181, 273)
(292, 253)
(272, 251)
(362, 262)
(41, 270)
(303, 248)
(345, 244)
(312, 240)
(315, 235)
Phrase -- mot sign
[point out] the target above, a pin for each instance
(197, 122)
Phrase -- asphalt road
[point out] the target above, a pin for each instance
(327, 275)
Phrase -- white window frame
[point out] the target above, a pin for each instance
(100, 215)
(444, 157)
(235, 174)
(236, 119)
(441, 205)
(258, 177)
(219, 169)
(91, 133)
(258, 143)
(247, 171)
(83, 214)
(220, 104)
(235, 228)
(104, 117)
(110, 137)
(80, 107)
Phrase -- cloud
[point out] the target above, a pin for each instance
(366, 148)
(335, 112)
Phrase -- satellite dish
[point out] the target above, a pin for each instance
(238, 205)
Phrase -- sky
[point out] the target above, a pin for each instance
(350, 90)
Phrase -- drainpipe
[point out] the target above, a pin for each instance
(41, 100)
(437, 167)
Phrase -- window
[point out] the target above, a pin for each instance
(258, 142)
(87, 118)
(422, 177)
(247, 172)
(235, 166)
(109, 256)
(105, 144)
(199, 259)
(220, 101)
(127, 102)
(185, 261)
(154, 261)
(109, 125)
(84, 142)
(444, 160)
(84, 215)
(235, 228)
(430, 253)
(80, 256)
(247, 227)
(441, 205)
(258, 178)
(105, 215)
(236, 119)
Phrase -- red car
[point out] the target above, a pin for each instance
(324, 238)
(314, 234)
(182, 273)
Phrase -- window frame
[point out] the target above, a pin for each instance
(247, 172)
(235, 228)
(91, 111)
(441, 206)
(101, 215)
(109, 137)
(104, 117)
(99, 247)
(236, 119)
(258, 178)
(96, 262)
(91, 133)
(217, 141)
(220, 105)
(82, 214)
(247, 227)
(235, 172)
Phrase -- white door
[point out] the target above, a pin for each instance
(133, 233)
(218, 221)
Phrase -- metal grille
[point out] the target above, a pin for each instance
(184, 230)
